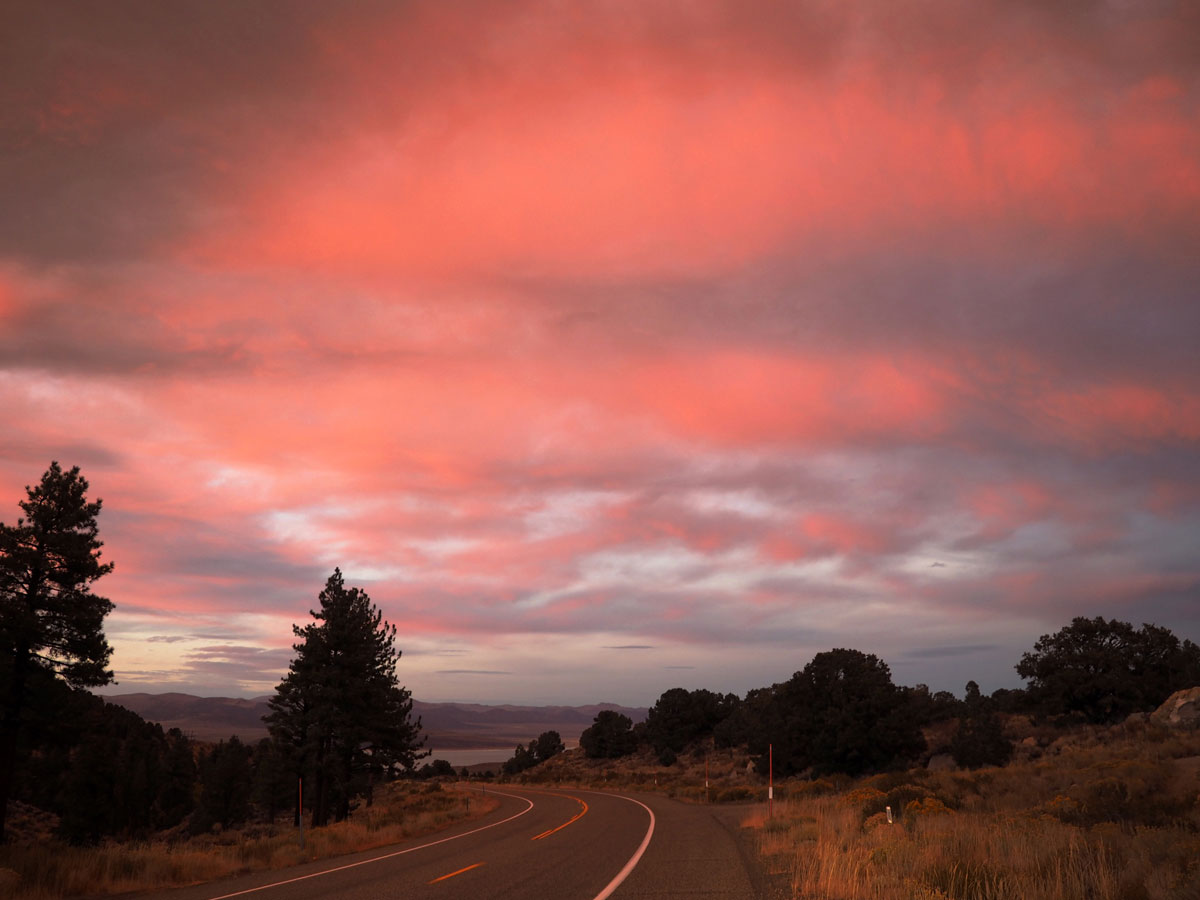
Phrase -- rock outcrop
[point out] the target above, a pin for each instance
(1181, 710)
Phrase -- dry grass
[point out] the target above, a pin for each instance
(401, 811)
(1109, 816)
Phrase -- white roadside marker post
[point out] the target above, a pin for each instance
(770, 779)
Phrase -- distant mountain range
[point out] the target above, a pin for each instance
(449, 726)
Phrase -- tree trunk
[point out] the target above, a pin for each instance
(345, 779)
(9, 728)
(8, 758)
(320, 801)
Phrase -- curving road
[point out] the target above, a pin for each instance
(537, 845)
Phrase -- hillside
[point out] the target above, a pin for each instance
(202, 718)
(450, 726)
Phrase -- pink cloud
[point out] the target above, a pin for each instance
(1098, 415)
(611, 319)
(1002, 508)
(624, 170)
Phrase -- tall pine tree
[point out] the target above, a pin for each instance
(340, 713)
(49, 618)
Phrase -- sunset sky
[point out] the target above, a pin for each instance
(610, 347)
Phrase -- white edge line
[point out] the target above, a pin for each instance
(637, 855)
(363, 862)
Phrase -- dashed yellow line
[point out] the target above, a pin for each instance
(452, 874)
(574, 818)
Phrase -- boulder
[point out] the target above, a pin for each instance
(941, 762)
(1181, 710)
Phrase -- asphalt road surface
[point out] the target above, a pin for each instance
(538, 845)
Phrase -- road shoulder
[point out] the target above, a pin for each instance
(700, 851)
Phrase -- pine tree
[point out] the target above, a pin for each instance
(226, 781)
(979, 740)
(274, 782)
(340, 712)
(179, 777)
(49, 617)
(102, 769)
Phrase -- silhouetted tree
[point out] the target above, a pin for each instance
(275, 782)
(101, 768)
(680, 717)
(1102, 670)
(49, 617)
(439, 768)
(841, 713)
(1010, 700)
(340, 712)
(972, 696)
(609, 736)
(979, 740)
(749, 719)
(179, 778)
(547, 745)
(226, 783)
(86, 789)
(928, 707)
(521, 760)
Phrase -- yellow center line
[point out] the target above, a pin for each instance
(452, 874)
(574, 818)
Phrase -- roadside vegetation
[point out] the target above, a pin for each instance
(36, 867)
(1100, 814)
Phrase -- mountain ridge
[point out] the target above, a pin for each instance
(448, 726)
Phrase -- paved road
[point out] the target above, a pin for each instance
(538, 845)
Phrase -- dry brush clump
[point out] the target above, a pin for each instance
(46, 871)
(1111, 816)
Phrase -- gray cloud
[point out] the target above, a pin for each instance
(235, 663)
(20, 449)
(951, 651)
